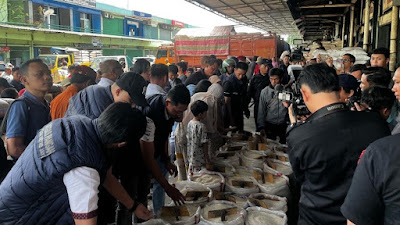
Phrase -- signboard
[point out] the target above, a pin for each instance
(4, 49)
(387, 4)
(131, 22)
(96, 42)
(178, 24)
(142, 15)
(84, 3)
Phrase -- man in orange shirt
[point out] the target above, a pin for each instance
(82, 77)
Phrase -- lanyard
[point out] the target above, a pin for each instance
(326, 110)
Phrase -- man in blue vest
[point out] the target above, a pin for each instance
(60, 171)
(90, 102)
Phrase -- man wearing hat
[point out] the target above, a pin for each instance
(348, 86)
(82, 77)
(91, 102)
(7, 72)
(257, 83)
(56, 180)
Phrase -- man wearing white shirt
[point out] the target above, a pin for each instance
(66, 162)
(7, 74)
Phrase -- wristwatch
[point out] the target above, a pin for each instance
(133, 208)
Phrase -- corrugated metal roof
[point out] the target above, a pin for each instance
(268, 15)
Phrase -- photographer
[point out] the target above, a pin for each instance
(272, 113)
(324, 150)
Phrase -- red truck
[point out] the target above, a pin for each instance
(191, 44)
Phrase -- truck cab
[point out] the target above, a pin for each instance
(55, 64)
(165, 54)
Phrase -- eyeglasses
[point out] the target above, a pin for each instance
(345, 60)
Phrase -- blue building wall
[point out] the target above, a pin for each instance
(95, 14)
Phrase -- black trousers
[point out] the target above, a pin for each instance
(276, 130)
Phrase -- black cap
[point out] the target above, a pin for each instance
(266, 62)
(348, 81)
(135, 85)
(4, 83)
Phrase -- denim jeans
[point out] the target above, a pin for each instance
(158, 191)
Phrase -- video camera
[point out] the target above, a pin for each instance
(355, 98)
(294, 97)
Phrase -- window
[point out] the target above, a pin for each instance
(171, 53)
(86, 22)
(161, 53)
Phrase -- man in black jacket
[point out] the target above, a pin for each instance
(324, 150)
(257, 83)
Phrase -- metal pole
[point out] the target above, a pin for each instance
(351, 26)
(337, 31)
(393, 37)
(366, 25)
(343, 30)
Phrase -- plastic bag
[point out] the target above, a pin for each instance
(192, 219)
(187, 185)
(281, 216)
(214, 186)
(279, 204)
(237, 220)
(222, 157)
(280, 166)
(252, 158)
(229, 170)
(155, 222)
(242, 190)
(279, 189)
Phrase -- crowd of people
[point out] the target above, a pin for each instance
(90, 153)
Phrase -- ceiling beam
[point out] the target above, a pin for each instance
(323, 15)
(325, 6)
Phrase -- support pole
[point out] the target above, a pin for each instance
(337, 31)
(393, 37)
(366, 25)
(351, 35)
(343, 30)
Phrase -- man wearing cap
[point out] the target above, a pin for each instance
(82, 77)
(91, 102)
(57, 178)
(228, 66)
(7, 73)
(348, 86)
(257, 84)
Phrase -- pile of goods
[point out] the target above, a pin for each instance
(247, 183)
